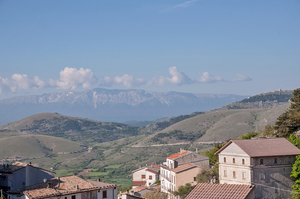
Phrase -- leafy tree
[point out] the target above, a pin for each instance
(289, 122)
(296, 175)
(205, 176)
(249, 135)
(211, 153)
(155, 195)
(184, 190)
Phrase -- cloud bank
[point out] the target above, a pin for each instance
(72, 78)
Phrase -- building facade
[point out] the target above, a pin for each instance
(266, 163)
(145, 176)
(181, 168)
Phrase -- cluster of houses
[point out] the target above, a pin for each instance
(254, 168)
(25, 181)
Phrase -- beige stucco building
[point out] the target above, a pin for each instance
(265, 163)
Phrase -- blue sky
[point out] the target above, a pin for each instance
(198, 46)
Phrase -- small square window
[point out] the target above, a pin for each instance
(225, 173)
(73, 197)
(243, 161)
(233, 160)
(150, 177)
(262, 176)
(194, 178)
(224, 159)
(143, 176)
(261, 161)
(275, 160)
(234, 176)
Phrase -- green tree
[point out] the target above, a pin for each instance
(296, 175)
(205, 176)
(289, 122)
(184, 190)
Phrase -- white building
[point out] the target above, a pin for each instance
(145, 176)
(265, 163)
(181, 168)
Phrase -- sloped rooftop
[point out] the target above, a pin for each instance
(217, 191)
(265, 147)
(177, 155)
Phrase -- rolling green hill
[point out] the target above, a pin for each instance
(219, 125)
(76, 129)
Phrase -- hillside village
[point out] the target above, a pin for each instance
(262, 164)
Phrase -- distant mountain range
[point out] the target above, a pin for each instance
(112, 105)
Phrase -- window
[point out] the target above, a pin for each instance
(224, 159)
(150, 177)
(261, 161)
(275, 160)
(194, 178)
(143, 176)
(234, 176)
(73, 197)
(244, 175)
(66, 197)
(174, 180)
(243, 161)
(262, 176)
(233, 160)
(276, 189)
(104, 194)
(225, 173)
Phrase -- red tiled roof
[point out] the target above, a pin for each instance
(156, 165)
(183, 167)
(100, 184)
(58, 186)
(265, 147)
(177, 155)
(151, 171)
(217, 191)
(138, 183)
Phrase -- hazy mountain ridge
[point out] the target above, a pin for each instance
(113, 104)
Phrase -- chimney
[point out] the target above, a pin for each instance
(77, 187)
(58, 181)
(29, 163)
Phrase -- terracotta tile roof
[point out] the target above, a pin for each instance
(184, 167)
(177, 155)
(217, 191)
(58, 186)
(100, 184)
(153, 167)
(138, 183)
(151, 170)
(265, 147)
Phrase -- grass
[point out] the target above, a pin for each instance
(116, 166)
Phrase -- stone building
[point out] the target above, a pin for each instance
(264, 162)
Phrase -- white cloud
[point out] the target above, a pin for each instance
(208, 78)
(178, 78)
(20, 82)
(71, 78)
(241, 78)
(128, 80)
(182, 5)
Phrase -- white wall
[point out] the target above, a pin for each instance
(111, 193)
